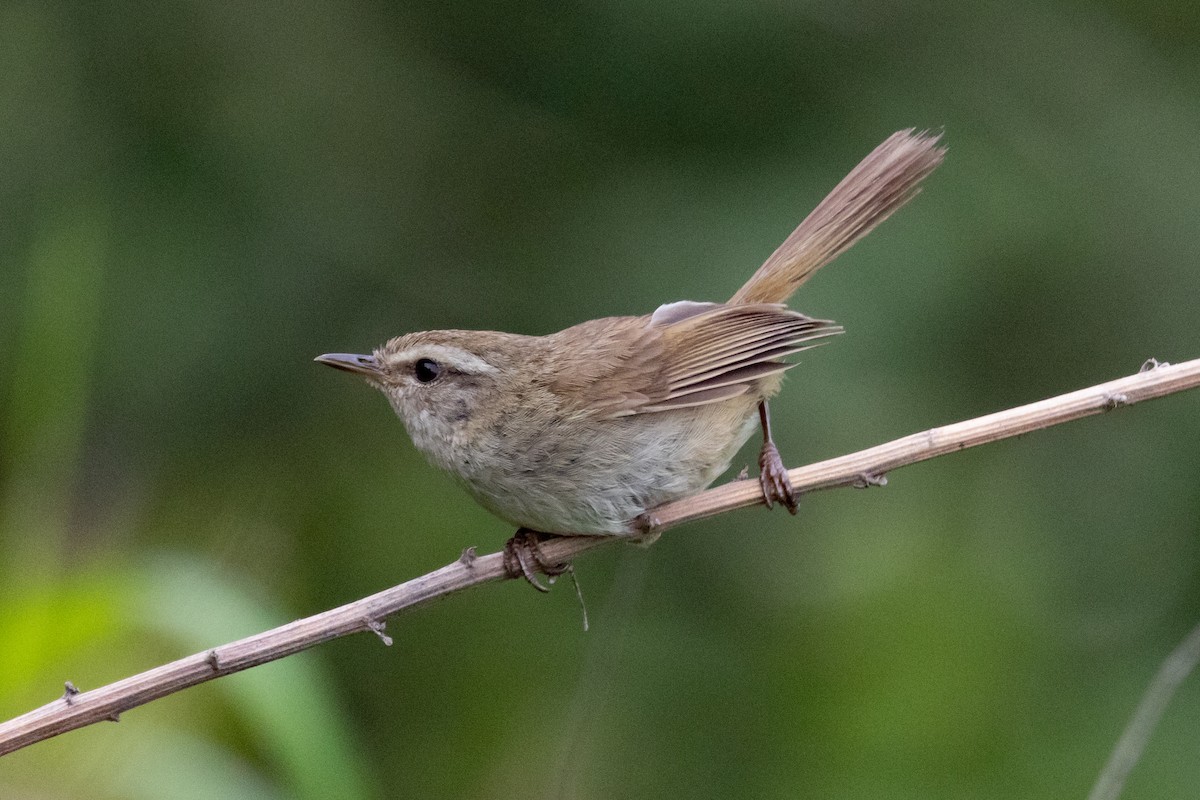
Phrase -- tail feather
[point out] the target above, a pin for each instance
(882, 182)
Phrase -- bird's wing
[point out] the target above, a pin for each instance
(684, 355)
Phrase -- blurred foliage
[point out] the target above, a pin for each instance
(200, 197)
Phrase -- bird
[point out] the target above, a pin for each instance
(584, 431)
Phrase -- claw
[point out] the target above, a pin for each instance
(773, 475)
(523, 558)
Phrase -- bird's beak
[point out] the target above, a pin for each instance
(351, 362)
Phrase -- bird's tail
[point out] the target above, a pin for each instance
(882, 182)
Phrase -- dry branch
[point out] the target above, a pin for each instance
(76, 709)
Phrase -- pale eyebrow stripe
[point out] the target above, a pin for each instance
(452, 357)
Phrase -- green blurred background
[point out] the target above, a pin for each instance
(197, 198)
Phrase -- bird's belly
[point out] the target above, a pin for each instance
(598, 477)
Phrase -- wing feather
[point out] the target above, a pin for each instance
(688, 355)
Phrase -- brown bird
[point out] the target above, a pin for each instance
(584, 430)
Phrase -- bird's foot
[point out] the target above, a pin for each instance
(773, 475)
(523, 558)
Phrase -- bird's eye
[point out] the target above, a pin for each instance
(427, 370)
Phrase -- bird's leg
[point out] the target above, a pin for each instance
(773, 475)
(523, 558)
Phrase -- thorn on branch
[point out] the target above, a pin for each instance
(69, 692)
(213, 660)
(379, 627)
(114, 716)
(866, 480)
(1115, 401)
(744, 474)
(646, 522)
(1151, 364)
(467, 558)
